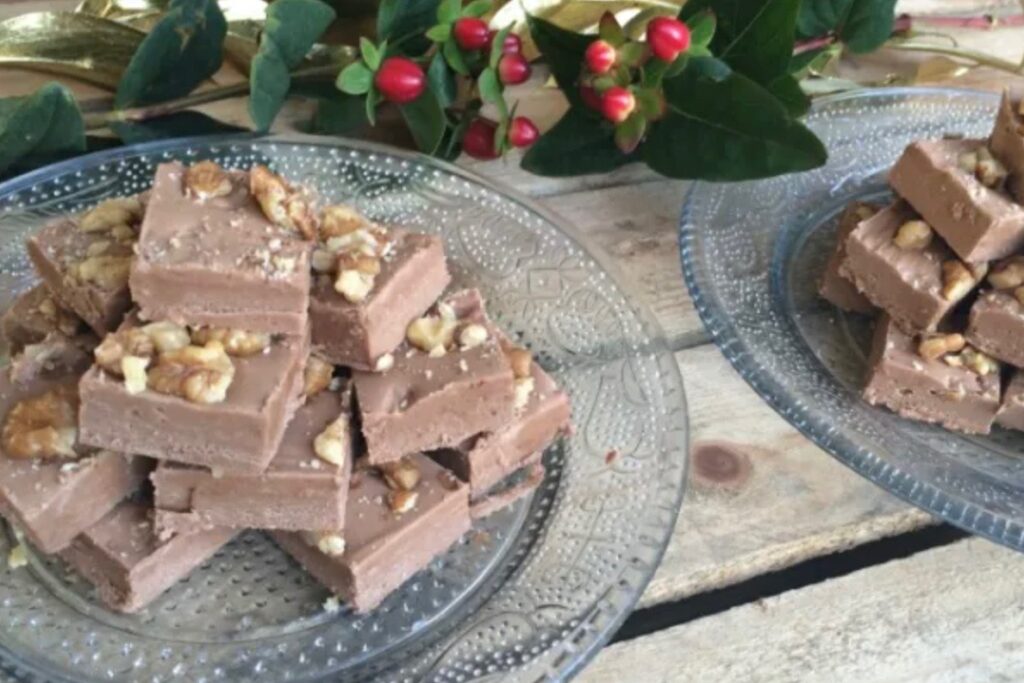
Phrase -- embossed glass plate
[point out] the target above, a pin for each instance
(531, 592)
(752, 254)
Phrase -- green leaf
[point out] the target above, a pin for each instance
(754, 37)
(563, 51)
(355, 79)
(425, 118)
(181, 51)
(291, 28)
(490, 87)
(709, 135)
(633, 54)
(372, 100)
(406, 19)
(439, 33)
(862, 24)
(477, 8)
(798, 63)
(498, 47)
(702, 28)
(786, 90)
(453, 55)
(578, 144)
(180, 124)
(441, 80)
(45, 123)
(609, 29)
(448, 11)
(370, 53)
(339, 115)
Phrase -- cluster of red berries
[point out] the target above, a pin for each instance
(667, 38)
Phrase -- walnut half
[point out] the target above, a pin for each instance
(281, 203)
(43, 426)
(207, 180)
(236, 342)
(200, 374)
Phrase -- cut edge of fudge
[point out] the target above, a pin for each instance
(1007, 143)
(996, 326)
(833, 286)
(1011, 411)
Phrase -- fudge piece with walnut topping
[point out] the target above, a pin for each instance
(51, 487)
(209, 397)
(208, 253)
(84, 261)
(1007, 143)
(834, 287)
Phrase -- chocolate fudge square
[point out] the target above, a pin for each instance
(33, 315)
(1011, 412)
(240, 433)
(996, 326)
(1007, 143)
(357, 329)
(85, 260)
(979, 223)
(299, 490)
(53, 499)
(385, 547)
(217, 260)
(834, 287)
(909, 282)
(435, 399)
(129, 565)
(959, 390)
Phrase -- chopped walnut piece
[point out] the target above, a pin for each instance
(134, 370)
(317, 376)
(913, 235)
(472, 336)
(64, 321)
(957, 280)
(402, 501)
(323, 261)
(199, 374)
(281, 203)
(1007, 274)
(384, 363)
(864, 211)
(432, 333)
(111, 213)
(116, 345)
(332, 443)
(936, 346)
(339, 219)
(236, 342)
(123, 233)
(354, 285)
(521, 361)
(1018, 294)
(368, 265)
(166, 336)
(18, 557)
(43, 426)
(106, 271)
(978, 362)
(207, 180)
(989, 170)
(401, 475)
(523, 391)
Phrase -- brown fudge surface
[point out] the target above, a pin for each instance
(218, 262)
(412, 276)
(384, 548)
(996, 326)
(488, 458)
(55, 355)
(299, 491)
(978, 223)
(240, 434)
(905, 283)
(930, 391)
(33, 315)
(54, 500)
(834, 287)
(498, 500)
(129, 565)
(1011, 412)
(425, 403)
(1007, 144)
(53, 251)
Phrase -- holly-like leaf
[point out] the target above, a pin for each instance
(291, 29)
(439, 33)
(862, 24)
(563, 51)
(578, 144)
(754, 37)
(709, 135)
(477, 8)
(490, 87)
(448, 11)
(355, 79)
(786, 90)
(42, 124)
(441, 80)
(406, 19)
(426, 121)
(180, 124)
(370, 53)
(453, 55)
(338, 114)
(182, 50)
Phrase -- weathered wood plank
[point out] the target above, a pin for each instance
(761, 496)
(945, 615)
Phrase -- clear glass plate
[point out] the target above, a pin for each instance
(533, 591)
(752, 254)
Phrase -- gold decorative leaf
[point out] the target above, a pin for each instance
(91, 48)
(576, 15)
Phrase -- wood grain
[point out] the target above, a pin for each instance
(945, 615)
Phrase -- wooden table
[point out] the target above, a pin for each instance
(781, 566)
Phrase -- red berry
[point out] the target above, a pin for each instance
(471, 33)
(617, 104)
(590, 97)
(513, 69)
(667, 38)
(522, 132)
(600, 56)
(479, 140)
(513, 44)
(400, 80)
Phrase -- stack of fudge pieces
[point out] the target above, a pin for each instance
(942, 267)
(221, 354)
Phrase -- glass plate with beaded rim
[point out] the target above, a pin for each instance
(752, 254)
(531, 592)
